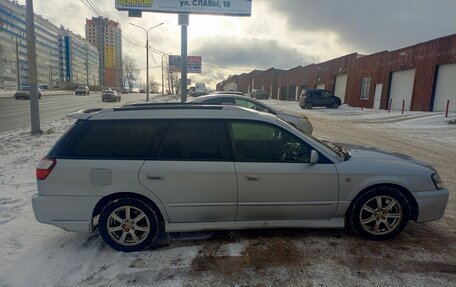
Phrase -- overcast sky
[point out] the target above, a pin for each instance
(281, 34)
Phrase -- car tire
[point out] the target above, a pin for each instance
(309, 106)
(335, 105)
(120, 231)
(380, 213)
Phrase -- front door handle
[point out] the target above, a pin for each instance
(252, 177)
(155, 177)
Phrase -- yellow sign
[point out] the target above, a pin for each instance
(135, 2)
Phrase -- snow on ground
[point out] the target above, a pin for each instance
(434, 124)
(34, 254)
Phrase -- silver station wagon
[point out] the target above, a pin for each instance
(137, 172)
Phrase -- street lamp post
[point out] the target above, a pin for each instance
(147, 55)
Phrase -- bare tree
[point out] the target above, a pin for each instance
(130, 70)
(176, 84)
(154, 86)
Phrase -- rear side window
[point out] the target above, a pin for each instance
(195, 140)
(115, 140)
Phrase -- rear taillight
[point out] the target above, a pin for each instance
(45, 167)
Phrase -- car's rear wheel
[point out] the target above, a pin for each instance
(335, 105)
(380, 213)
(129, 225)
(309, 105)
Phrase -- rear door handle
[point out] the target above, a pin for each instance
(155, 177)
(252, 177)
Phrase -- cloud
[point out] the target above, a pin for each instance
(249, 52)
(368, 25)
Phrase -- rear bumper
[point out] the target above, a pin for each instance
(431, 204)
(71, 213)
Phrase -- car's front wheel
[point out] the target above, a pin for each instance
(129, 225)
(309, 106)
(335, 105)
(379, 214)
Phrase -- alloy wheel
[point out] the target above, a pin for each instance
(128, 226)
(381, 215)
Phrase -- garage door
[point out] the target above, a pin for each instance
(445, 88)
(402, 88)
(321, 86)
(341, 86)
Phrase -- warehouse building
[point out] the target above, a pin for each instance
(421, 77)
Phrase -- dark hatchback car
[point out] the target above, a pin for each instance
(318, 98)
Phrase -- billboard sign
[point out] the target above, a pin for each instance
(194, 64)
(212, 7)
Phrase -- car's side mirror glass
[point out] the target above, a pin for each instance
(314, 157)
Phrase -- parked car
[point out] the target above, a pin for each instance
(110, 96)
(139, 171)
(198, 90)
(24, 93)
(227, 93)
(259, 94)
(44, 87)
(318, 98)
(299, 121)
(125, 91)
(82, 90)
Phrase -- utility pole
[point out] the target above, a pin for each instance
(183, 22)
(87, 62)
(163, 78)
(147, 66)
(17, 66)
(32, 69)
(147, 55)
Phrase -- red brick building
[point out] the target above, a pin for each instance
(421, 77)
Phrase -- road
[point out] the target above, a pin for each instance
(16, 113)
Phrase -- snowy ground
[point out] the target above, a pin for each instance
(33, 254)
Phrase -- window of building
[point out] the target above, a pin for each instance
(365, 87)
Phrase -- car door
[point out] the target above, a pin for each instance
(192, 172)
(328, 98)
(275, 179)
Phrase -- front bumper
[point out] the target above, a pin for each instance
(71, 213)
(431, 204)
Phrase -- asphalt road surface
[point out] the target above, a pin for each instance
(16, 113)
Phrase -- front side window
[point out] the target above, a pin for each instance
(326, 94)
(199, 140)
(258, 142)
(115, 140)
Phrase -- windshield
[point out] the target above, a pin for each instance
(25, 88)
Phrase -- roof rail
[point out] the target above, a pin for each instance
(168, 106)
(83, 114)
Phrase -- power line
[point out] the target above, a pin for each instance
(94, 8)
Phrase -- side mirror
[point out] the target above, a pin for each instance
(314, 157)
